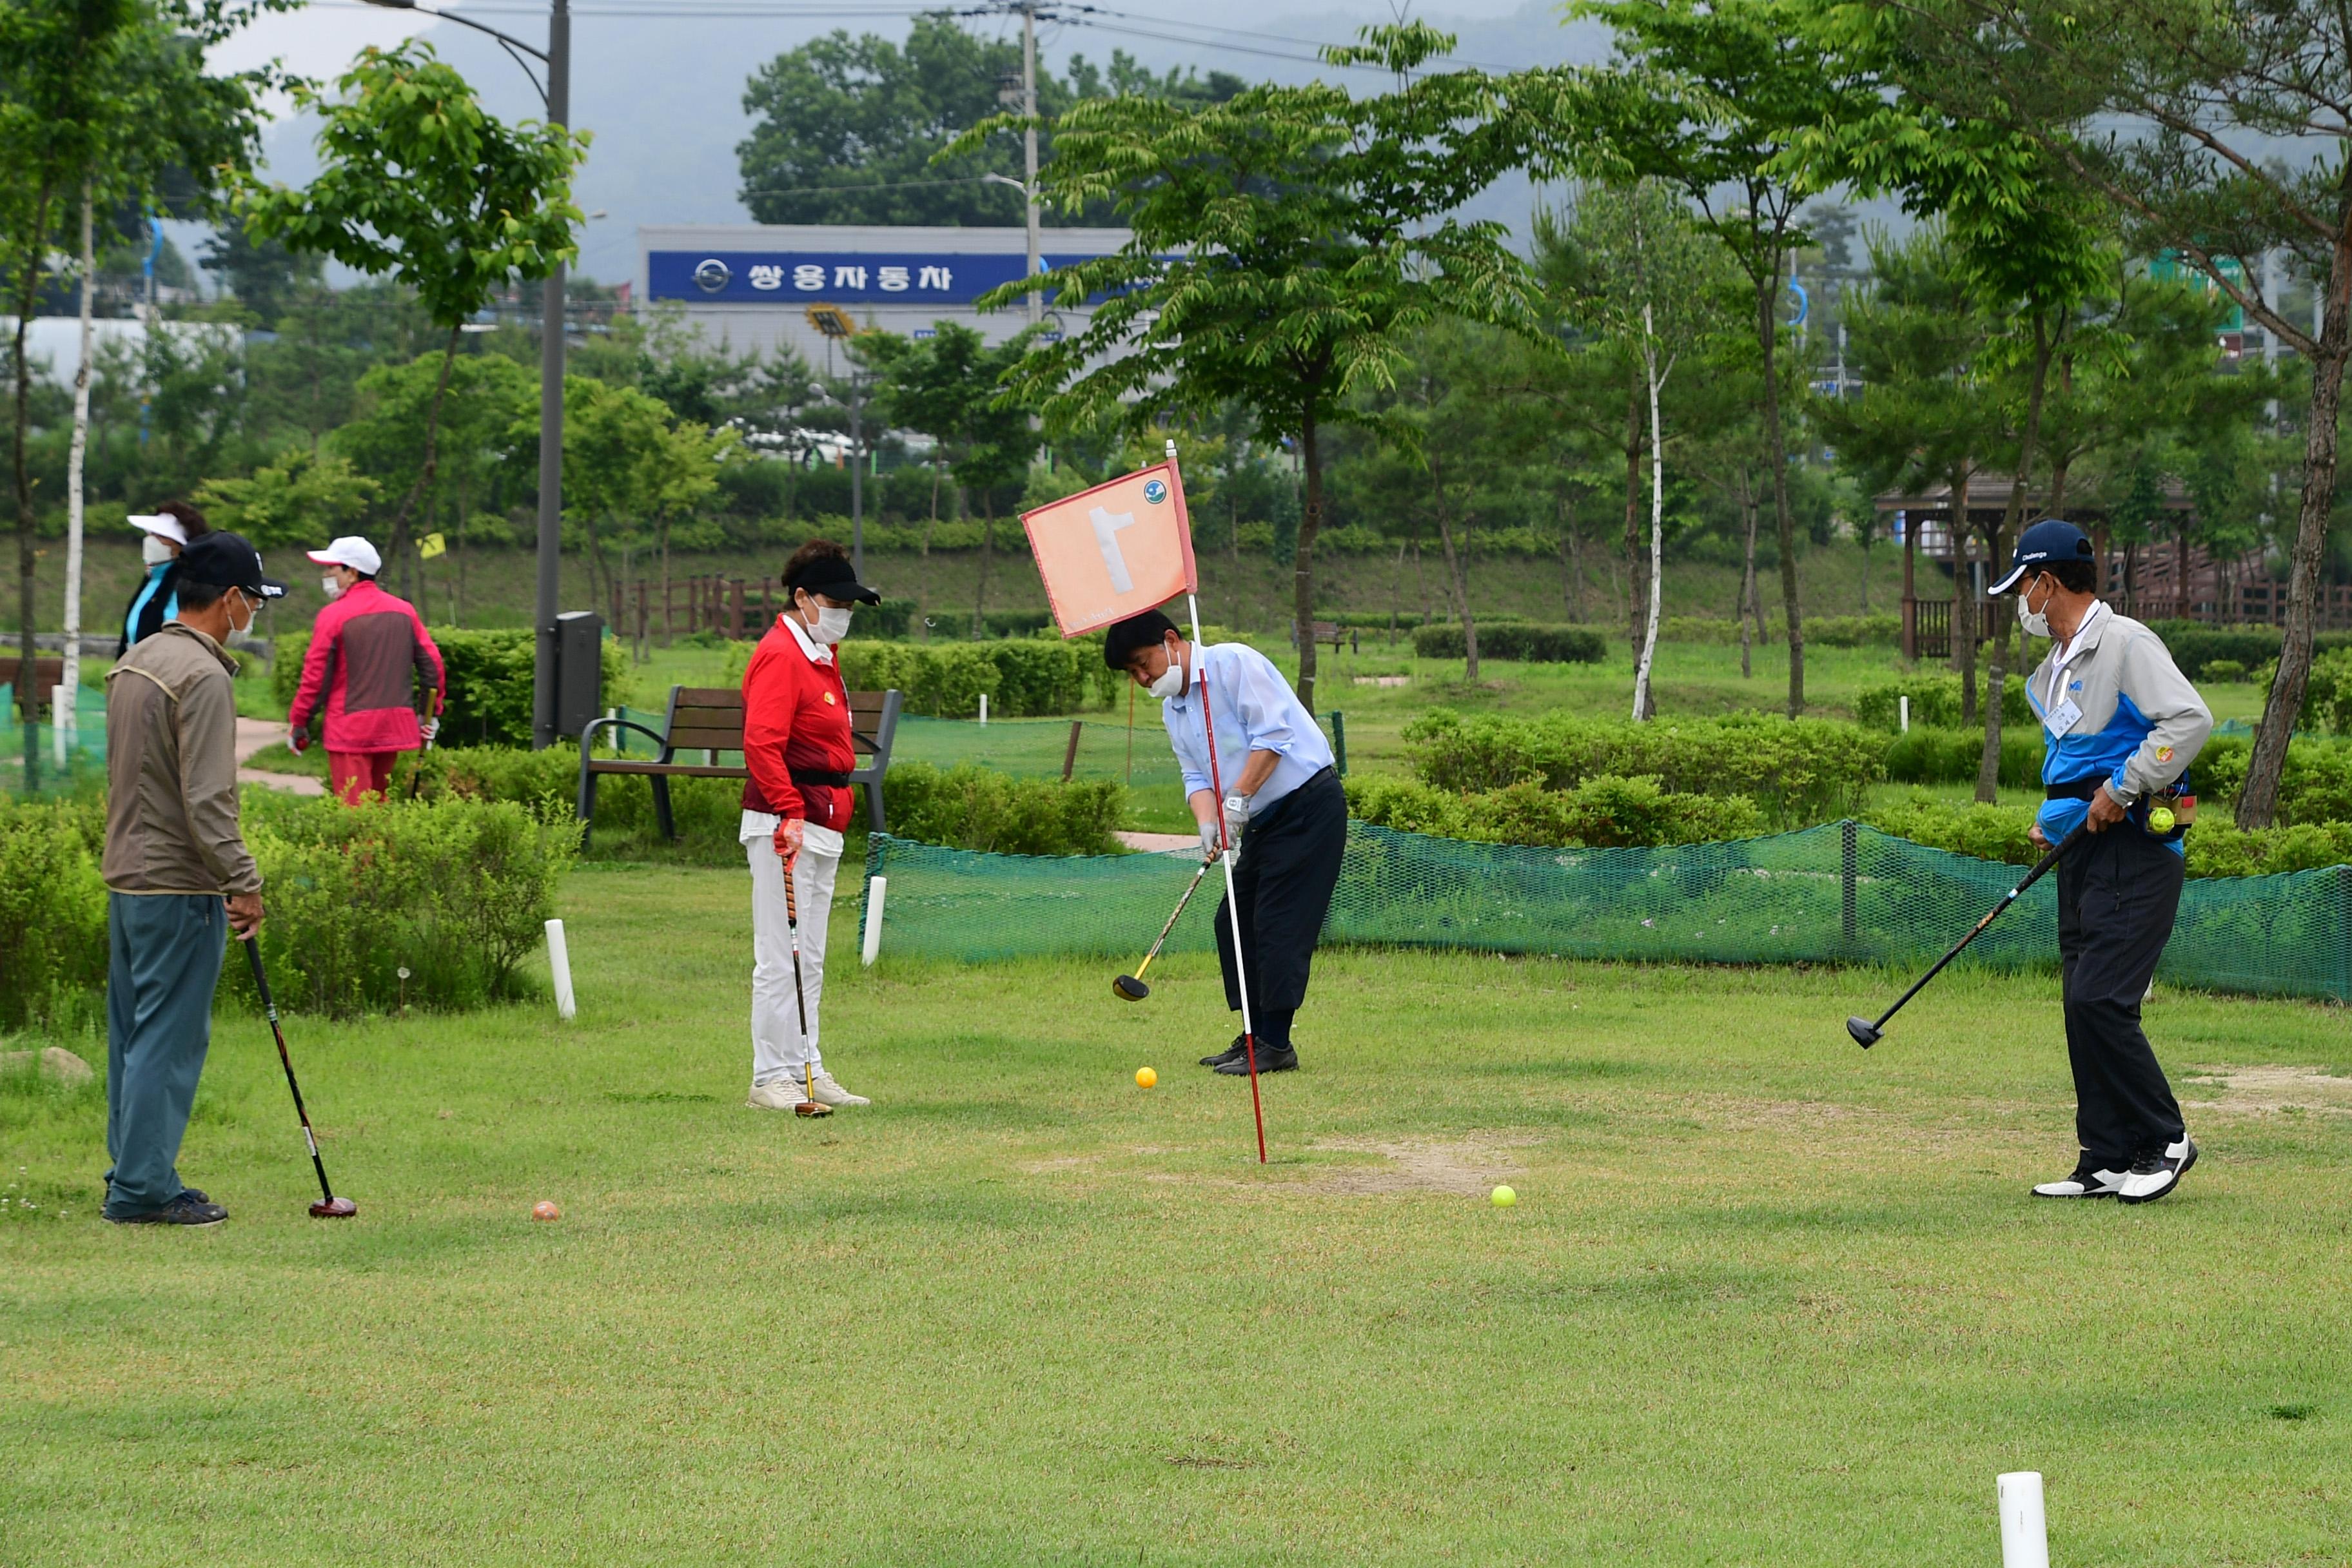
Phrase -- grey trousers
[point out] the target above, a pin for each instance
(165, 959)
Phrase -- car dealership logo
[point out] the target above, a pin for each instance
(711, 276)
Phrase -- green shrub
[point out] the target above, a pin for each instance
(2216, 846)
(490, 676)
(1519, 640)
(1796, 771)
(2224, 671)
(1023, 678)
(1602, 812)
(972, 807)
(456, 892)
(1926, 755)
(1820, 631)
(52, 909)
(1934, 703)
(2316, 786)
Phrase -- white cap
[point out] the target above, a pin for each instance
(351, 551)
(160, 525)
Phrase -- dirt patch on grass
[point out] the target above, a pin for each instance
(1467, 1166)
(2263, 1090)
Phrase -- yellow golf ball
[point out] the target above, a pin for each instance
(2159, 819)
(1504, 1198)
(1145, 1078)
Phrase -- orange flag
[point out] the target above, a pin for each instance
(1115, 551)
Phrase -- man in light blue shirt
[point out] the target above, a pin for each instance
(1282, 806)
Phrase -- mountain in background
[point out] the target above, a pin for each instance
(665, 94)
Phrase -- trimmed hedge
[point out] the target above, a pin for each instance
(2327, 698)
(1951, 756)
(972, 807)
(490, 681)
(52, 909)
(1934, 703)
(1519, 640)
(1023, 678)
(2315, 788)
(1820, 631)
(1602, 812)
(1796, 771)
(2216, 847)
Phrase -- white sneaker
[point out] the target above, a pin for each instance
(827, 1092)
(2085, 1182)
(2151, 1177)
(777, 1096)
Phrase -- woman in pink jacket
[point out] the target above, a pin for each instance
(365, 649)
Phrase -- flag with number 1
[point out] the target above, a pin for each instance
(1115, 551)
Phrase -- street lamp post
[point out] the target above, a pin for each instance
(556, 95)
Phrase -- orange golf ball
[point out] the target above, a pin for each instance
(545, 1210)
(1145, 1078)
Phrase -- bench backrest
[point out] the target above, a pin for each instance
(710, 719)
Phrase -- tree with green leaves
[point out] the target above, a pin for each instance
(417, 180)
(1653, 283)
(1284, 248)
(301, 500)
(102, 101)
(630, 469)
(2214, 131)
(848, 130)
(950, 387)
(1714, 95)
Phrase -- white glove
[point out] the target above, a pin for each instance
(432, 728)
(1209, 844)
(1236, 818)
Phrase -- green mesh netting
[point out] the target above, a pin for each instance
(1839, 893)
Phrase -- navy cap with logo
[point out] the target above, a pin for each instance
(226, 560)
(834, 577)
(2045, 544)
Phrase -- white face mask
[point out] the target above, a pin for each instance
(253, 613)
(2036, 622)
(333, 585)
(1171, 681)
(154, 550)
(832, 625)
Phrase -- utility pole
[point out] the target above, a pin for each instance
(1029, 145)
(551, 414)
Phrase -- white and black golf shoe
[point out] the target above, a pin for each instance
(2087, 1182)
(2153, 1175)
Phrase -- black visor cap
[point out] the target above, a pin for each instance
(834, 578)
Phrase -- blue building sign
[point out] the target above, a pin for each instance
(874, 277)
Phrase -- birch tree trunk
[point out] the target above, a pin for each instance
(1643, 706)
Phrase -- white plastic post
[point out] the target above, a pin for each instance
(2024, 1532)
(559, 964)
(983, 707)
(876, 886)
(1903, 704)
(60, 722)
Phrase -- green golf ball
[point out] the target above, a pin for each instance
(1504, 1198)
(2159, 819)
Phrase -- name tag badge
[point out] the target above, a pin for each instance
(2063, 718)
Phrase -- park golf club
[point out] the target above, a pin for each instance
(809, 1105)
(1131, 987)
(1865, 1033)
(328, 1205)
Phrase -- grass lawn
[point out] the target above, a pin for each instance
(1764, 1300)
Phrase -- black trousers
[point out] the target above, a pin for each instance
(2117, 894)
(1289, 864)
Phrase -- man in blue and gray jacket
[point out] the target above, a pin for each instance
(2120, 726)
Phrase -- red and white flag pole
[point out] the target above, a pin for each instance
(1225, 849)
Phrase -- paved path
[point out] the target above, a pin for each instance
(1162, 843)
(252, 734)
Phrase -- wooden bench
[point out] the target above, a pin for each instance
(1323, 632)
(710, 720)
(49, 670)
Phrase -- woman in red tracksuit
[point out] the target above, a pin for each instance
(365, 647)
(796, 805)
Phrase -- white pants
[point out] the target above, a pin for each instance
(779, 1045)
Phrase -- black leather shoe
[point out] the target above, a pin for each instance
(180, 1210)
(1232, 1053)
(1270, 1058)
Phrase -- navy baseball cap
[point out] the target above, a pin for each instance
(2051, 541)
(226, 560)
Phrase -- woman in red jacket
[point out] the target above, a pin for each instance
(796, 805)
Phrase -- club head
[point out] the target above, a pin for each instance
(1864, 1032)
(812, 1108)
(1127, 988)
(333, 1208)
